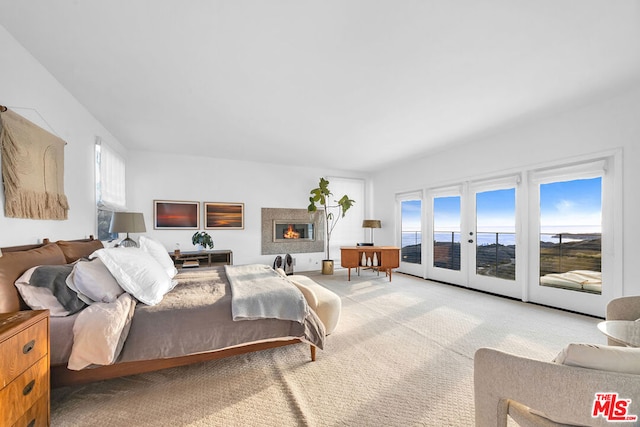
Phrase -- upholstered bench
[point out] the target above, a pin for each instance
(325, 303)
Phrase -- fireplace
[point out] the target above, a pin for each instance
(284, 231)
(291, 231)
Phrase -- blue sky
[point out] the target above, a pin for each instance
(496, 210)
(411, 215)
(446, 213)
(576, 203)
(571, 205)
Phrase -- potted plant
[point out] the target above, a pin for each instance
(202, 240)
(333, 211)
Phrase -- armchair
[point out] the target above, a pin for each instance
(544, 393)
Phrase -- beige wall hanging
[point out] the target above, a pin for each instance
(32, 169)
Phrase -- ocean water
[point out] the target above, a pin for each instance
(507, 238)
(410, 238)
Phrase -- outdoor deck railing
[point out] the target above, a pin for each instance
(495, 251)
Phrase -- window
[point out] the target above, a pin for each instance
(571, 211)
(411, 232)
(496, 233)
(349, 229)
(446, 232)
(571, 234)
(110, 187)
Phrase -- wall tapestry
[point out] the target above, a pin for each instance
(32, 169)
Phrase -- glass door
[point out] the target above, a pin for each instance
(493, 250)
(551, 236)
(411, 234)
(447, 257)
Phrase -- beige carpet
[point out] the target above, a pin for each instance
(402, 355)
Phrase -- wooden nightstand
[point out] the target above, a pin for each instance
(24, 368)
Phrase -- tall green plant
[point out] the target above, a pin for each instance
(320, 196)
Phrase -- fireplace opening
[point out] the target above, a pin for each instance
(287, 231)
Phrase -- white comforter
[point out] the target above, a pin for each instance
(99, 332)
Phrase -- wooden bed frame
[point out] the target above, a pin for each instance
(61, 376)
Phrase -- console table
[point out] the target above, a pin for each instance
(388, 258)
(202, 258)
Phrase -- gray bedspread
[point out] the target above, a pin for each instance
(196, 317)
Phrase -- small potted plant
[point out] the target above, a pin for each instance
(202, 240)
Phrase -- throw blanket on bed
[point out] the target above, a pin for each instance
(259, 292)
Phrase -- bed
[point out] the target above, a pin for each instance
(192, 322)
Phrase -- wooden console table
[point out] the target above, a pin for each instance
(388, 257)
(203, 258)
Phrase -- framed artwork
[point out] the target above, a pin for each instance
(171, 215)
(223, 216)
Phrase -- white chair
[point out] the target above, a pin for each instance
(544, 393)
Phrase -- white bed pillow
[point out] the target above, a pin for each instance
(601, 357)
(159, 253)
(93, 282)
(137, 272)
(99, 332)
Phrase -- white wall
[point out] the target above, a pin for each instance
(606, 123)
(152, 176)
(609, 123)
(35, 94)
(28, 87)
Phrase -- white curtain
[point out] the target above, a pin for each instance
(110, 178)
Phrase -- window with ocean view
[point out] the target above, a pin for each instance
(411, 234)
(571, 234)
(446, 232)
(496, 233)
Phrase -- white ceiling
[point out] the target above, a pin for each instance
(345, 84)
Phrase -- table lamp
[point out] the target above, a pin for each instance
(127, 222)
(371, 223)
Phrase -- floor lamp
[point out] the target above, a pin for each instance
(371, 223)
(127, 222)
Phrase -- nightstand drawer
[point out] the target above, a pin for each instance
(22, 350)
(23, 392)
(36, 416)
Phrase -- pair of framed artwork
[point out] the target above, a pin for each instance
(179, 215)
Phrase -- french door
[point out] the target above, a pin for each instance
(411, 220)
(494, 253)
(473, 235)
(551, 236)
(447, 258)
